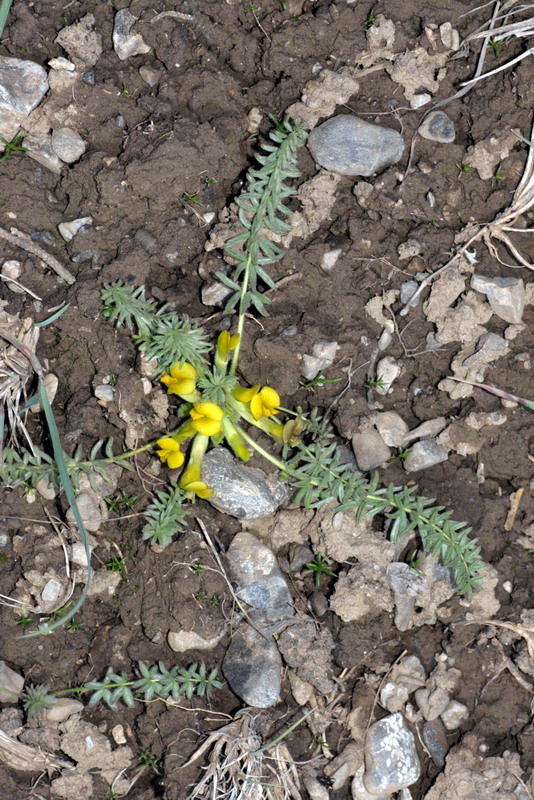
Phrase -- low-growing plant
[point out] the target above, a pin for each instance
(319, 567)
(13, 146)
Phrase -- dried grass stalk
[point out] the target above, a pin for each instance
(28, 759)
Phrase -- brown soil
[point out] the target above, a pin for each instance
(193, 126)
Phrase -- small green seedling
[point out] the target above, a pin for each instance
(319, 567)
(375, 382)
(24, 622)
(499, 176)
(13, 146)
(210, 181)
(370, 19)
(191, 197)
(432, 223)
(120, 502)
(314, 385)
(401, 454)
(74, 625)
(146, 758)
(496, 46)
(118, 565)
(198, 568)
(465, 168)
(414, 562)
(124, 92)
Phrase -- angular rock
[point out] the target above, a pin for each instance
(351, 146)
(51, 593)
(438, 127)
(89, 509)
(214, 294)
(126, 44)
(239, 490)
(182, 641)
(11, 684)
(23, 84)
(432, 704)
(435, 739)
(392, 428)
(426, 430)
(409, 249)
(253, 668)
(388, 370)
(370, 449)
(425, 454)
(81, 42)
(506, 296)
(407, 291)
(62, 709)
(454, 714)
(406, 584)
(391, 761)
(105, 393)
(69, 229)
(322, 356)
(67, 145)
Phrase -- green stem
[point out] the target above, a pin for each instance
(259, 449)
(242, 309)
(4, 11)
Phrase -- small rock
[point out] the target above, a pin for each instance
(450, 38)
(67, 145)
(62, 709)
(105, 393)
(124, 43)
(45, 489)
(69, 229)
(506, 296)
(299, 555)
(62, 63)
(425, 454)
(88, 77)
(351, 146)
(149, 75)
(454, 714)
(11, 271)
(85, 255)
(391, 761)
(253, 668)
(322, 356)
(409, 249)
(420, 100)
(117, 732)
(370, 449)
(426, 430)
(407, 291)
(145, 240)
(89, 511)
(406, 584)
(432, 704)
(214, 294)
(23, 86)
(51, 593)
(12, 681)
(388, 370)
(241, 491)
(182, 641)
(259, 580)
(435, 739)
(104, 581)
(319, 604)
(329, 260)
(437, 127)
(405, 677)
(362, 192)
(81, 42)
(392, 428)
(78, 554)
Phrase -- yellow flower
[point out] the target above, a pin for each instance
(191, 482)
(245, 394)
(265, 403)
(182, 379)
(207, 418)
(170, 452)
(226, 342)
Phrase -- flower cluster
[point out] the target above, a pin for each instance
(207, 420)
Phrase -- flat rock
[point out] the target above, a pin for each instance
(322, 356)
(259, 580)
(425, 454)
(12, 681)
(370, 449)
(67, 145)
(182, 641)
(506, 296)
(388, 370)
(435, 739)
(253, 668)
(127, 44)
(23, 84)
(392, 428)
(240, 490)
(426, 430)
(438, 127)
(82, 42)
(391, 761)
(351, 146)
(69, 229)
(89, 509)
(62, 709)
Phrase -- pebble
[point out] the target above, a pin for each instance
(104, 393)
(62, 709)
(432, 704)
(89, 511)
(425, 454)
(449, 36)
(84, 255)
(52, 591)
(408, 249)
(391, 761)
(258, 577)
(351, 146)
(126, 44)
(62, 63)
(388, 370)
(392, 428)
(9, 679)
(81, 41)
(214, 294)
(407, 291)
(240, 490)
(69, 229)
(435, 739)
(329, 260)
(406, 584)
(149, 75)
(426, 430)
(319, 604)
(117, 733)
(145, 240)
(438, 127)
(506, 296)
(419, 100)
(45, 236)
(182, 641)
(370, 449)
(454, 714)
(24, 84)
(253, 668)
(11, 271)
(322, 356)
(88, 77)
(68, 145)
(362, 192)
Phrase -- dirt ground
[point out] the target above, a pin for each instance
(146, 147)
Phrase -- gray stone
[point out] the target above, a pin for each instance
(407, 291)
(322, 356)
(149, 75)
(126, 44)
(253, 668)
(11, 684)
(89, 511)
(239, 490)
(409, 249)
(406, 584)
(259, 580)
(145, 240)
(105, 393)
(425, 454)
(432, 703)
(69, 229)
(214, 294)
(370, 449)
(351, 146)
(67, 145)
(506, 296)
(11, 271)
(182, 641)
(82, 42)
(454, 714)
(62, 709)
(392, 428)
(388, 370)
(23, 84)
(426, 430)
(435, 739)
(319, 604)
(52, 591)
(404, 678)
(391, 761)
(438, 127)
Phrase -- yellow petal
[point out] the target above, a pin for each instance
(168, 443)
(270, 397)
(256, 406)
(210, 410)
(182, 370)
(244, 394)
